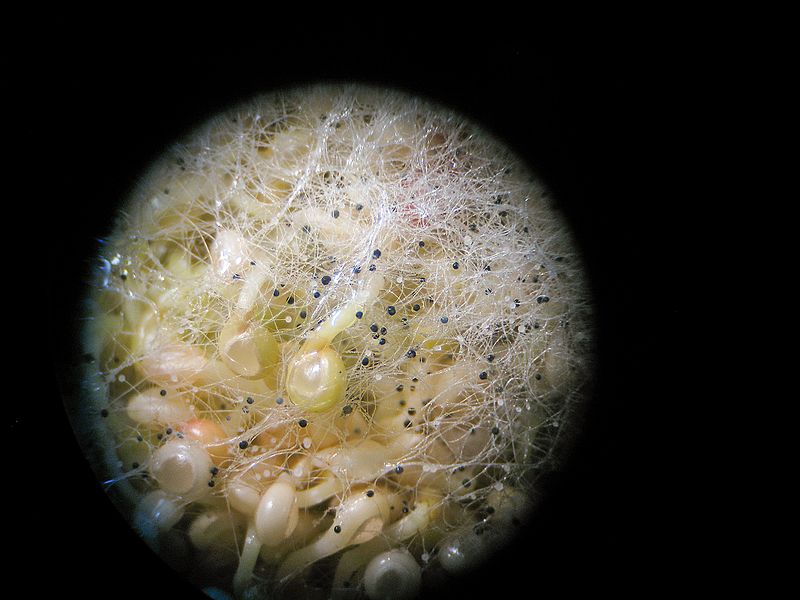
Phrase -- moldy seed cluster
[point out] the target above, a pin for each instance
(335, 335)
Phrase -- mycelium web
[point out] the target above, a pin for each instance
(335, 336)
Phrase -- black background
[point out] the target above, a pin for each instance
(595, 121)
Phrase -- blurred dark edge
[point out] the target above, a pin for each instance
(593, 122)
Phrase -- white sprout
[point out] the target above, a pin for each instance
(393, 575)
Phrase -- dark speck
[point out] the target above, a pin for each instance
(376, 253)
(391, 310)
(326, 280)
(242, 444)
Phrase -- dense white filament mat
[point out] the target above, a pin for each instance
(333, 339)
